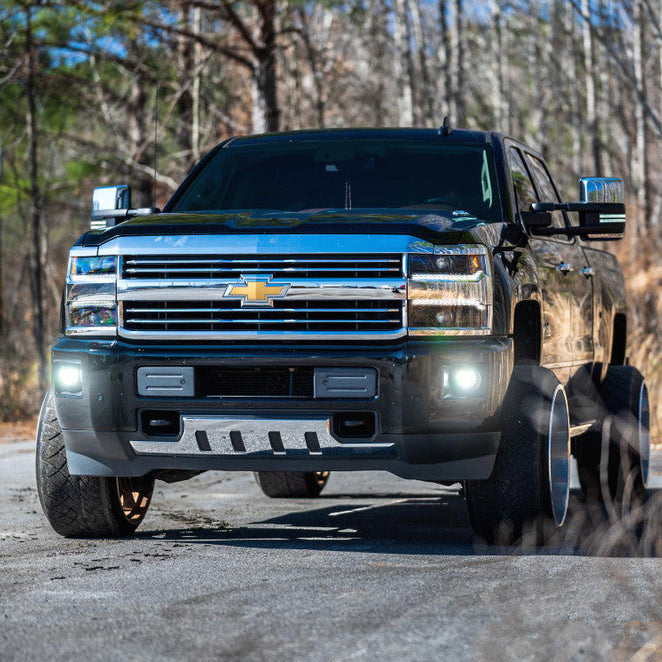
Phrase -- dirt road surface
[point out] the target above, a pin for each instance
(378, 568)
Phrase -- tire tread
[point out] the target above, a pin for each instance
(76, 506)
(289, 484)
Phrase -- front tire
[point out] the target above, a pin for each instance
(84, 506)
(292, 484)
(530, 482)
(613, 462)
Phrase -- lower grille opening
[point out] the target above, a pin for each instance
(260, 382)
(354, 425)
(160, 422)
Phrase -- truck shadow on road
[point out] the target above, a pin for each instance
(422, 524)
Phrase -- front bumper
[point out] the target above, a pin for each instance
(419, 432)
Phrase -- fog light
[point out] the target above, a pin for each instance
(462, 381)
(68, 378)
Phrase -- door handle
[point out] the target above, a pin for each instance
(587, 271)
(564, 267)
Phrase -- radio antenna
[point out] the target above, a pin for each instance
(156, 134)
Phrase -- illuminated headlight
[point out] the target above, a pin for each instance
(91, 302)
(450, 291)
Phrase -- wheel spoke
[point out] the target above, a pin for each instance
(133, 499)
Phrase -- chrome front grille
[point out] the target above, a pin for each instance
(278, 266)
(284, 317)
(259, 288)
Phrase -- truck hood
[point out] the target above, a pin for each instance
(451, 228)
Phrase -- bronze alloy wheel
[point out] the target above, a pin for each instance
(134, 496)
(321, 477)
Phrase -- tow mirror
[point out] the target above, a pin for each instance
(112, 205)
(608, 195)
(601, 210)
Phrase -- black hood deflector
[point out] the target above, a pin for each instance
(426, 226)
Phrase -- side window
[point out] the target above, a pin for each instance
(545, 187)
(524, 191)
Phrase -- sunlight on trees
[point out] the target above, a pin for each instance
(579, 79)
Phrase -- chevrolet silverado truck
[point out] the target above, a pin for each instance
(417, 301)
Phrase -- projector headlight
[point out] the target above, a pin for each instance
(91, 302)
(105, 265)
(450, 291)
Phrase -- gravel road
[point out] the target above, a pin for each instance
(378, 568)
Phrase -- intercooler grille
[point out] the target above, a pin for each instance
(285, 316)
(201, 267)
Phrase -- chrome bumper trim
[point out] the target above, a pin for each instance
(249, 436)
(300, 288)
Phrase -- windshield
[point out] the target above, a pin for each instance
(346, 174)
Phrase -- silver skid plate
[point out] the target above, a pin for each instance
(256, 436)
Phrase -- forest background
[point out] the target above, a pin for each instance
(581, 80)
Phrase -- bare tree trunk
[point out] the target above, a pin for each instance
(265, 73)
(640, 165)
(293, 112)
(402, 63)
(137, 111)
(575, 114)
(196, 20)
(426, 93)
(2, 277)
(660, 62)
(499, 54)
(460, 78)
(604, 96)
(185, 100)
(37, 248)
(447, 60)
(378, 38)
(189, 56)
(313, 57)
(592, 118)
(259, 111)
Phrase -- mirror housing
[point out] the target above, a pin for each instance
(601, 189)
(106, 198)
(601, 210)
(112, 205)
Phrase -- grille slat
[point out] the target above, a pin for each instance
(213, 267)
(207, 316)
(254, 321)
(172, 310)
(142, 272)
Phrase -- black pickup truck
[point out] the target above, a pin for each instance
(415, 301)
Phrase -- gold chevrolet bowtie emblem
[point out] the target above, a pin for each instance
(256, 291)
